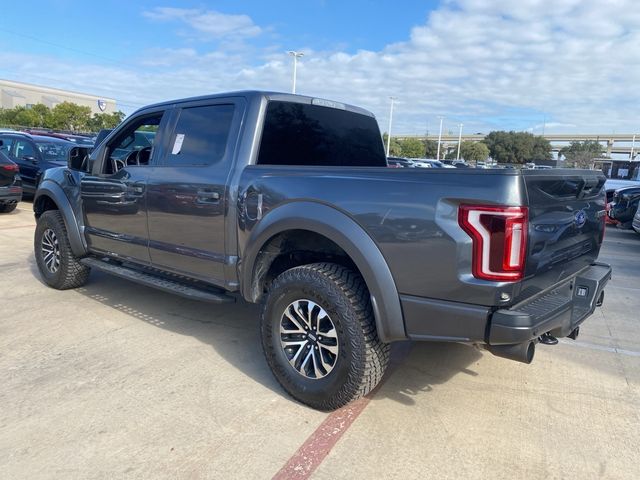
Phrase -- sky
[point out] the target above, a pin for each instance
(562, 66)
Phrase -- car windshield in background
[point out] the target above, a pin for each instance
(54, 151)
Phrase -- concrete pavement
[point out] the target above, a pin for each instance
(116, 380)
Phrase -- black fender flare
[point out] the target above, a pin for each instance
(348, 235)
(49, 188)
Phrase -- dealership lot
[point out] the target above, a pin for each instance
(119, 380)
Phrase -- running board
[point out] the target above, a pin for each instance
(164, 284)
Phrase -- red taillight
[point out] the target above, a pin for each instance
(11, 167)
(499, 237)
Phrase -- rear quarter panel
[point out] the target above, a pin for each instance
(412, 217)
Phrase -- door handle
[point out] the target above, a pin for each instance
(137, 188)
(208, 197)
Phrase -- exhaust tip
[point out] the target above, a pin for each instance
(600, 300)
(520, 352)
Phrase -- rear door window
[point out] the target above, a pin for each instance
(7, 143)
(24, 148)
(303, 134)
(201, 135)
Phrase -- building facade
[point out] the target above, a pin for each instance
(18, 94)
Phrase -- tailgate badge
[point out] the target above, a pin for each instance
(580, 218)
(582, 291)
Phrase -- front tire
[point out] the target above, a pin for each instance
(58, 266)
(319, 335)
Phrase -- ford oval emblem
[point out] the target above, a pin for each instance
(580, 218)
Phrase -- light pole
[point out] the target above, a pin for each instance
(459, 139)
(439, 137)
(390, 119)
(633, 144)
(296, 56)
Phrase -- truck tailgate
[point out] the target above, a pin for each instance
(566, 225)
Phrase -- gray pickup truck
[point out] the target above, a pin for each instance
(287, 200)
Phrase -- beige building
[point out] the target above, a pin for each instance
(16, 94)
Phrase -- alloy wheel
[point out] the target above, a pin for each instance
(50, 250)
(309, 339)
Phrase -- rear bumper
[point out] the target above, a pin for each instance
(558, 311)
(10, 194)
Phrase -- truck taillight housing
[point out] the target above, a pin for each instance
(499, 237)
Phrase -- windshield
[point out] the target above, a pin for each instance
(54, 151)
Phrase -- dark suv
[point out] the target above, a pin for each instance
(34, 155)
(10, 185)
(624, 206)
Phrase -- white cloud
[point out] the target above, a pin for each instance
(503, 65)
(207, 23)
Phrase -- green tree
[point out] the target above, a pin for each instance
(395, 150)
(541, 149)
(431, 149)
(7, 116)
(69, 116)
(35, 116)
(474, 152)
(581, 154)
(517, 147)
(412, 148)
(105, 120)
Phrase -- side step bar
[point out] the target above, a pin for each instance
(164, 284)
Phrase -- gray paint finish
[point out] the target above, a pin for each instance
(399, 226)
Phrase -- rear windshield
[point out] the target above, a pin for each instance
(301, 134)
(54, 151)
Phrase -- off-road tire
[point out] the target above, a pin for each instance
(7, 207)
(70, 273)
(362, 357)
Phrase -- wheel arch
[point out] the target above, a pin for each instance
(50, 196)
(340, 230)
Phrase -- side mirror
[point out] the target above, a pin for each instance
(77, 158)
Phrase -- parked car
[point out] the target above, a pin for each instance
(456, 163)
(10, 184)
(80, 140)
(272, 197)
(399, 162)
(430, 163)
(624, 205)
(635, 224)
(34, 154)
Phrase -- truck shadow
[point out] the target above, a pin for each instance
(416, 368)
(232, 330)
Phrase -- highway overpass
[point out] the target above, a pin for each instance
(557, 140)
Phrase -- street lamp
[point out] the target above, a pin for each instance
(459, 139)
(439, 137)
(296, 56)
(390, 119)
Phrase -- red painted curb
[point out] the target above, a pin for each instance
(315, 449)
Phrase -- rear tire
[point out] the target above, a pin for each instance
(58, 266)
(323, 308)
(7, 207)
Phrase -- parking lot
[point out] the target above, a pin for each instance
(117, 380)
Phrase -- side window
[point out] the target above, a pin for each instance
(24, 148)
(7, 143)
(134, 146)
(200, 136)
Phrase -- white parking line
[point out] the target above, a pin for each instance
(593, 346)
